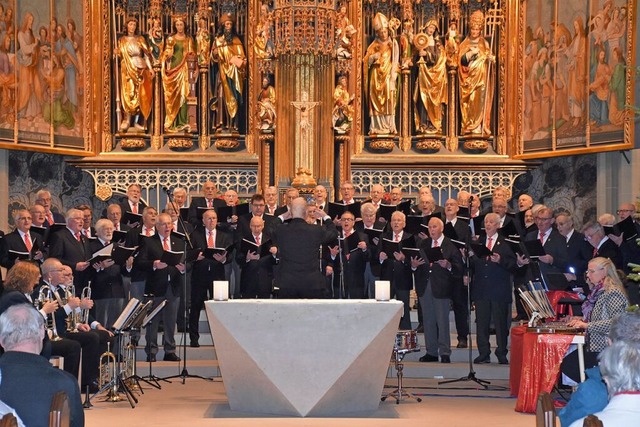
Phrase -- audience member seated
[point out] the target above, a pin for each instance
(620, 367)
(591, 395)
(28, 380)
(606, 300)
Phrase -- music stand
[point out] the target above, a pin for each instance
(134, 322)
(152, 379)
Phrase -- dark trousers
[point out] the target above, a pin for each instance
(501, 314)
(405, 320)
(93, 344)
(200, 292)
(298, 293)
(70, 350)
(460, 313)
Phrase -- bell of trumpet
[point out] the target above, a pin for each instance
(44, 296)
(107, 374)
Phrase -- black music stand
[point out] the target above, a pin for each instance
(134, 323)
(152, 379)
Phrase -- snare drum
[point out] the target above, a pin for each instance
(406, 341)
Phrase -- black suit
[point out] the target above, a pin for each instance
(491, 291)
(68, 349)
(281, 210)
(630, 250)
(14, 242)
(163, 284)
(298, 243)
(204, 273)
(579, 252)
(64, 246)
(57, 219)
(353, 263)
(459, 291)
(107, 290)
(201, 202)
(256, 280)
(28, 385)
(243, 229)
(399, 274)
(608, 249)
(435, 286)
(556, 246)
(126, 207)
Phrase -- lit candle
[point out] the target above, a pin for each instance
(383, 290)
(220, 290)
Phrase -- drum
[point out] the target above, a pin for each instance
(406, 341)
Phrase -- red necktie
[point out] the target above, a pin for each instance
(135, 208)
(397, 237)
(84, 232)
(78, 237)
(435, 244)
(118, 227)
(166, 245)
(257, 240)
(595, 252)
(50, 218)
(490, 242)
(210, 242)
(541, 238)
(147, 232)
(209, 203)
(27, 241)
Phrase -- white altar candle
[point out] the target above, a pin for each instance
(383, 290)
(220, 290)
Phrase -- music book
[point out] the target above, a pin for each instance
(337, 209)
(463, 213)
(126, 313)
(178, 234)
(131, 219)
(226, 212)
(350, 244)
(478, 224)
(172, 258)
(509, 229)
(149, 317)
(413, 223)
(121, 254)
(263, 250)
(389, 247)
(184, 214)
(480, 250)
(373, 234)
(626, 228)
(56, 227)
(385, 211)
(515, 245)
(459, 243)
(14, 255)
(450, 231)
(192, 255)
(136, 319)
(38, 230)
(411, 253)
(101, 254)
(208, 252)
(119, 236)
(433, 254)
(534, 248)
(200, 210)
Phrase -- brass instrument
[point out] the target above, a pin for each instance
(108, 373)
(72, 324)
(83, 316)
(44, 296)
(129, 369)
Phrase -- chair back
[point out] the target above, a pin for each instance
(592, 421)
(545, 411)
(59, 413)
(9, 420)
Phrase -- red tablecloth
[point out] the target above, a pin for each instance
(555, 296)
(535, 364)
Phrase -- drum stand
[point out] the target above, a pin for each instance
(399, 393)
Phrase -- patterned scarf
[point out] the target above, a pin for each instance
(587, 305)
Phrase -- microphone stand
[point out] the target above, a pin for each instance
(184, 374)
(471, 376)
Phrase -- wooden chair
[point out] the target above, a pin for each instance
(9, 420)
(59, 414)
(545, 411)
(592, 421)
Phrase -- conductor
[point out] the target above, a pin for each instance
(298, 248)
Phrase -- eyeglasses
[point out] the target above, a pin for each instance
(619, 211)
(589, 236)
(543, 219)
(591, 271)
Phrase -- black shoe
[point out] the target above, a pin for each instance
(445, 359)
(428, 358)
(420, 328)
(482, 359)
(194, 344)
(462, 344)
(134, 342)
(151, 357)
(492, 331)
(171, 357)
(503, 360)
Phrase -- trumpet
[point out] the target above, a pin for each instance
(72, 324)
(44, 296)
(129, 369)
(84, 313)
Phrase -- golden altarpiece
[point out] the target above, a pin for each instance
(447, 93)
